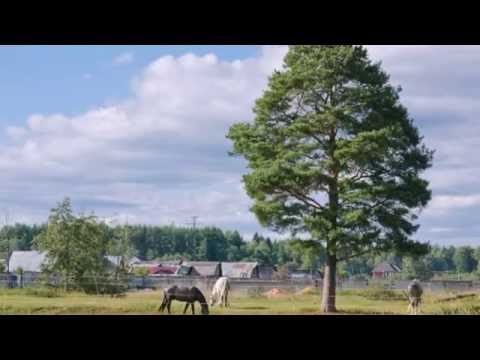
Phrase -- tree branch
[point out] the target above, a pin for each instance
(356, 255)
(303, 198)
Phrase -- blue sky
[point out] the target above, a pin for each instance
(138, 132)
(72, 79)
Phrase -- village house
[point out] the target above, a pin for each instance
(248, 270)
(266, 272)
(210, 269)
(30, 262)
(385, 270)
(240, 270)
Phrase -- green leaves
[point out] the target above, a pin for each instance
(76, 246)
(333, 153)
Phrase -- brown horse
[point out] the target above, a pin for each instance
(183, 294)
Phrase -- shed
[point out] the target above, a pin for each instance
(266, 272)
(385, 270)
(29, 261)
(114, 260)
(134, 261)
(206, 268)
(240, 270)
(178, 270)
(164, 270)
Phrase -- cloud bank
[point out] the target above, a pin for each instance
(160, 156)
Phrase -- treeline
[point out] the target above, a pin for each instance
(214, 244)
(447, 262)
(171, 242)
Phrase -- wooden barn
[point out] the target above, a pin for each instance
(248, 270)
(209, 269)
(385, 270)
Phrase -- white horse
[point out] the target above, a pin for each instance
(415, 293)
(220, 292)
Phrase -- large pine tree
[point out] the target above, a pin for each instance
(333, 154)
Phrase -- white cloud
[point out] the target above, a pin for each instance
(161, 155)
(441, 230)
(444, 204)
(125, 58)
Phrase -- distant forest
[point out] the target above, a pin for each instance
(214, 244)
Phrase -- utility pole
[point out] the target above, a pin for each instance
(194, 224)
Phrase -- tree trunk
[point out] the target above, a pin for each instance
(329, 285)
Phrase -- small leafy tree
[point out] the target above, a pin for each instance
(76, 248)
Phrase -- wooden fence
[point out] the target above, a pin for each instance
(243, 285)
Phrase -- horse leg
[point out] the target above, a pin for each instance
(162, 305)
(193, 309)
(169, 304)
(226, 299)
(186, 308)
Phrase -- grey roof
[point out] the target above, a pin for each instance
(238, 269)
(134, 260)
(30, 261)
(184, 270)
(385, 267)
(114, 260)
(145, 263)
(205, 268)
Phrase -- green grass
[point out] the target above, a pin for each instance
(372, 301)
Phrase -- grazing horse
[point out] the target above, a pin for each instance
(415, 293)
(220, 292)
(183, 294)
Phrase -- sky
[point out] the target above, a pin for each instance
(137, 133)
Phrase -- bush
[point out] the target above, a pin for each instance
(44, 292)
(140, 271)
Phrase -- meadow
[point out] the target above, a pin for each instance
(355, 302)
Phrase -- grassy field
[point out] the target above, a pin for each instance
(378, 302)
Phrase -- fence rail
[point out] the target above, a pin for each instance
(238, 285)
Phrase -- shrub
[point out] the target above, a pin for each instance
(140, 271)
(44, 292)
